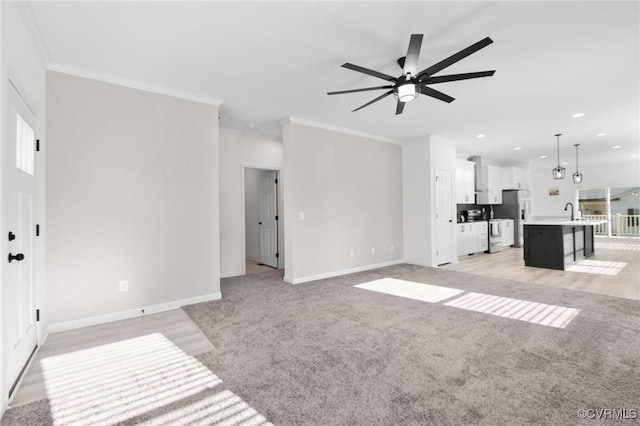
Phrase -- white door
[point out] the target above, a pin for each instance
(269, 219)
(18, 306)
(444, 217)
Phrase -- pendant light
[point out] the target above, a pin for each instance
(577, 176)
(558, 172)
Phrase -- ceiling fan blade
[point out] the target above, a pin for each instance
(369, 72)
(359, 90)
(384, 95)
(435, 94)
(456, 77)
(400, 107)
(411, 60)
(455, 57)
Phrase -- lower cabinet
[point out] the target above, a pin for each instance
(472, 237)
(508, 232)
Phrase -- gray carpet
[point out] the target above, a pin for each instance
(325, 353)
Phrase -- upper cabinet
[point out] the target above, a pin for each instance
(490, 191)
(465, 182)
(513, 178)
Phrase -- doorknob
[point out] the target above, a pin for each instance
(259, 223)
(17, 257)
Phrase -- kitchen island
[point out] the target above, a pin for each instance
(556, 244)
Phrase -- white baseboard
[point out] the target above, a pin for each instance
(232, 274)
(130, 313)
(418, 263)
(343, 272)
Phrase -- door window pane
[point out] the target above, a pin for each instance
(25, 144)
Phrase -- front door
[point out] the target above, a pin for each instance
(269, 218)
(19, 191)
(444, 217)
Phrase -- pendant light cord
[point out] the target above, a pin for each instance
(558, 138)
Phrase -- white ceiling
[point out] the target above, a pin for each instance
(272, 60)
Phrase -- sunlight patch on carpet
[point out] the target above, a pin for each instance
(223, 408)
(600, 267)
(536, 313)
(115, 382)
(411, 290)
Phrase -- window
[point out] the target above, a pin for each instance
(25, 144)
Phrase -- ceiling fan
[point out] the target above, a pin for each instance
(411, 83)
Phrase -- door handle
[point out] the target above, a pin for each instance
(12, 236)
(19, 257)
(259, 223)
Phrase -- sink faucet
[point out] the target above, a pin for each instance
(565, 209)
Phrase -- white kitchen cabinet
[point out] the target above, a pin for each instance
(465, 182)
(513, 178)
(472, 237)
(508, 234)
(490, 191)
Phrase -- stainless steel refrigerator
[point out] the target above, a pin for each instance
(516, 205)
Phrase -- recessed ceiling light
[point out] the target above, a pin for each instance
(601, 134)
(634, 155)
(578, 115)
(480, 136)
(251, 125)
(616, 147)
(517, 148)
(543, 156)
(565, 163)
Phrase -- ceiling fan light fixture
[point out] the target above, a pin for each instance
(407, 92)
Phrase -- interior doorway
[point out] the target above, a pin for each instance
(262, 220)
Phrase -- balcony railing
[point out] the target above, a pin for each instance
(622, 225)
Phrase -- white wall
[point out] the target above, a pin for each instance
(21, 63)
(350, 190)
(600, 176)
(132, 194)
(252, 211)
(416, 196)
(238, 151)
(421, 158)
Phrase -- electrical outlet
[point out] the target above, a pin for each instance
(373, 250)
(301, 215)
(352, 253)
(393, 248)
(124, 286)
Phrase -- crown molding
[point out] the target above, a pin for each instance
(331, 127)
(133, 84)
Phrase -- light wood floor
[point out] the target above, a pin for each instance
(254, 267)
(509, 264)
(175, 325)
